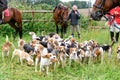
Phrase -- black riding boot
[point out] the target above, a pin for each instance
(112, 36)
(72, 35)
(117, 37)
(79, 35)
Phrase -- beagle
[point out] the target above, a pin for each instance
(46, 60)
(6, 49)
(62, 55)
(73, 55)
(22, 56)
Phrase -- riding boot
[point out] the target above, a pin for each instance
(117, 37)
(112, 36)
(79, 35)
(72, 35)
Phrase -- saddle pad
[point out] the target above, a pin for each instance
(6, 12)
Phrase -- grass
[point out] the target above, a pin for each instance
(106, 71)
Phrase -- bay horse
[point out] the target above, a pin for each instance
(102, 7)
(13, 17)
(60, 15)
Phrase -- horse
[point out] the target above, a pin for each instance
(60, 15)
(13, 17)
(102, 7)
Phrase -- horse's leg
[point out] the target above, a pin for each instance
(57, 29)
(20, 29)
(12, 24)
(62, 28)
(65, 29)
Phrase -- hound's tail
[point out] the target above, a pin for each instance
(7, 39)
(13, 45)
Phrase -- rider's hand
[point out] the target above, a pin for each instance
(75, 12)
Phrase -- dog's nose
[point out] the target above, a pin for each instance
(54, 57)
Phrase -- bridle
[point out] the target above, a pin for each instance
(101, 5)
(101, 10)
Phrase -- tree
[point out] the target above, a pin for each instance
(50, 2)
(80, 4)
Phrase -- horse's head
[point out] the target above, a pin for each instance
(64, 13)
(101, 7)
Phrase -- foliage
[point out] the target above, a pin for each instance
(50, 2)
(80, 4)
(84, 21)
(36, 2)
(41, 6)
(30, 7)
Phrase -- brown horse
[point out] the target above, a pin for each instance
(60, 15)
(101, 7)
(14, 19)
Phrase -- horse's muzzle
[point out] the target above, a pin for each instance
(95, 17)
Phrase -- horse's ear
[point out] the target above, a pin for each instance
(67, 8)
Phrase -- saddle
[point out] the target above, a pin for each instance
(58, 7)
(5, 13)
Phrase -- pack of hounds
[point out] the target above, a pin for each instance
(51, 50)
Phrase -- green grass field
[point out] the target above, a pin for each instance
(106, 71)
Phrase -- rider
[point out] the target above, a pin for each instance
(114, 23)
(3, 6)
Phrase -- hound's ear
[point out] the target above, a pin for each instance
(64, 48)
(55, 60)
(44, 56)
(71, 50)
(117, 51)
(41, 47)
(47, 56)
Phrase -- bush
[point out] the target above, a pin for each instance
(29, 7)
(84, 22)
